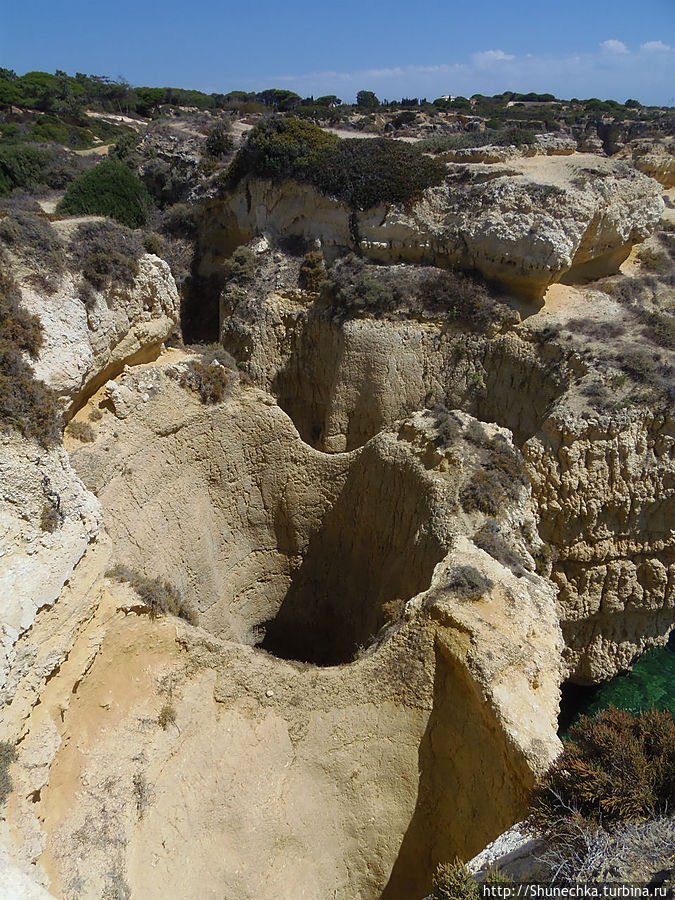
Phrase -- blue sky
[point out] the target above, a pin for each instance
(580, 48)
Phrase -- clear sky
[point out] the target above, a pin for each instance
(582, 48)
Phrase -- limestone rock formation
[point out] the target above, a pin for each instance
(47, 522)
(526, 224)
(389, 643)
(602, 482)
(85, 345)
(654, 158)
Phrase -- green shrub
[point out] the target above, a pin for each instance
(218, 142)
(617, 767)
(109, 189)
(312, 275)
(162, 598)
(105, 254)
(453, 881)
(22, 167)
(7, 756)
(240, 267)
(361, 173)
(26, 404)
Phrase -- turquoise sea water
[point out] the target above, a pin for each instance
(651, 682)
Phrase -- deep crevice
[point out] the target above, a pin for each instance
(368, 558)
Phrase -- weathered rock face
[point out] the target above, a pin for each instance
(603, 484)
(654, 158)
(371, 769)
(84, 346)
(525, 225)
(48, 520)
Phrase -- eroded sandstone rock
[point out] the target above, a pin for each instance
(453, 697)
(84, 346)
(602, 482)
(525, 225)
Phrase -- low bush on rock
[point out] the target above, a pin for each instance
(361, 173)
(211, 382)
(30, 238)
(162, 598)
(109, 189)
(105, 253)
(26, 404)
(82, 431)
(355, 286)
(312, 275)
(618, 766)
(240, 267)
(467, 583)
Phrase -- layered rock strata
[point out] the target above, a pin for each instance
(603, 482)
(525, 224)
(287, 764)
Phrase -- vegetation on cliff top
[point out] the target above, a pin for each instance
(361, 173)
(110, 189)
(26, 404)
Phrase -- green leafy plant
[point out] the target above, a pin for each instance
(362, 173)
(109, 189)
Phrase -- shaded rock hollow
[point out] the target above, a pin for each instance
(233, 507)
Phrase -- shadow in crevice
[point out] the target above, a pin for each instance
(470, 786)
(374, 547)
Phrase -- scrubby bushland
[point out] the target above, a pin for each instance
(162, 598)
(219, 142)
(605, 807)
(110, 189)
(361, 173)
(27, 234)
(499, 480)
(468, 139)
(490, 539)
(26, 404)
(617, 767)
(357, 286)
(240, 267)
(32, 168)
(211, 382)
(105, 253)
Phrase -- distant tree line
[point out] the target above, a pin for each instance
(64, 94)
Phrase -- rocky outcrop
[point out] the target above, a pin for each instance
(402, 672)
(86, 344)
(48, 520)
(654, 158)
(525, 225)
(603, 483)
